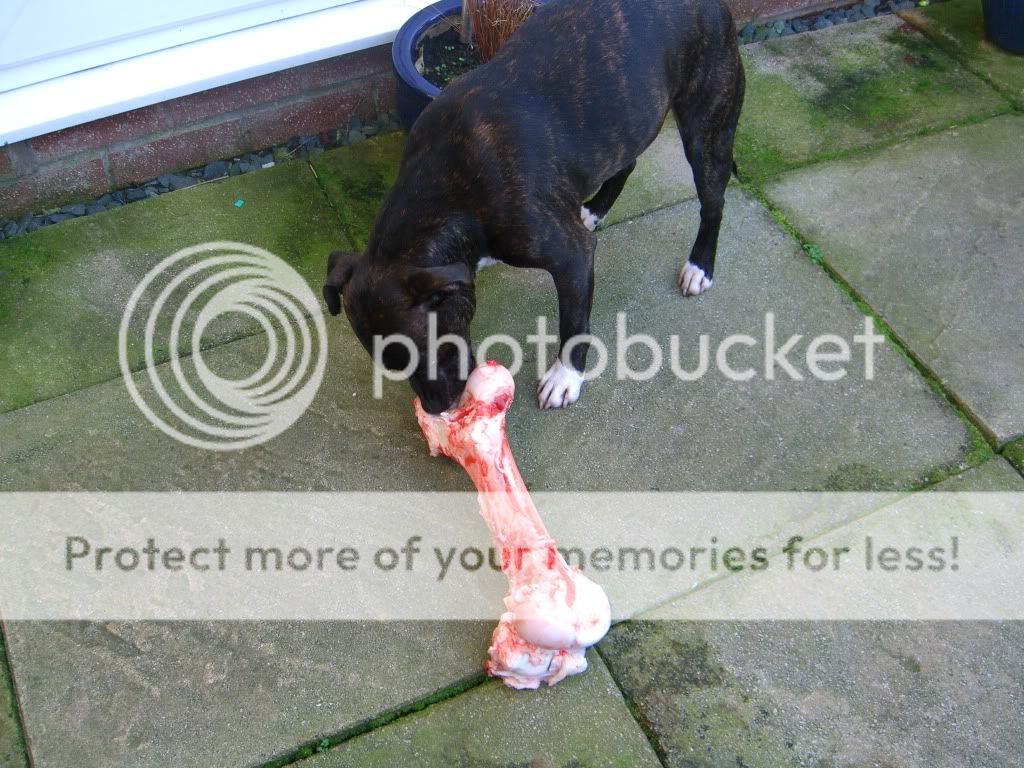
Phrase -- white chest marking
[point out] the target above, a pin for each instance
(590, 220)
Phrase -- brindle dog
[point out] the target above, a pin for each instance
(520, 159)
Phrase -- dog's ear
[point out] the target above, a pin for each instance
(339, 269)
(434, 284)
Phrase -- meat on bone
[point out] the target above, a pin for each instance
(553, 612)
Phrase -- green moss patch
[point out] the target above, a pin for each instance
(12, 746)
(694, 706)
(815, 96)
(1014, 452)
(63, 289)
(356, 179)
(958, 28)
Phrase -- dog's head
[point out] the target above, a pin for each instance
(398, 301)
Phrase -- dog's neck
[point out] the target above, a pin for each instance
(431, 242)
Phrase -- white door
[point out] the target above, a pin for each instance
(45, 39)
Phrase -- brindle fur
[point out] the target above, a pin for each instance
(499, 164)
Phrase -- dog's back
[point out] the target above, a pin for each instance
(586, 84)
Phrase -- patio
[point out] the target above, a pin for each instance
(882, 174)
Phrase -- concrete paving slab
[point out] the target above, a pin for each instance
(994, 475)
(222, 693)
(819, 94)
(64, 288)
(710, 434)
(958, 28)
(358, 177)
(12, 750)
(930, 233)
(916, 695)
(98, 439)
(923, 521)
(581, 721)
(839, 693)
(714, 433)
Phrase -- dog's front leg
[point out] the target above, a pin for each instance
(574, 283)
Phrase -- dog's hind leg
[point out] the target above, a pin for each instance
(708, 131)
(594, 211)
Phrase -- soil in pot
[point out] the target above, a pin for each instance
(443, 56)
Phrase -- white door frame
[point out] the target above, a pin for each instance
(182, 69)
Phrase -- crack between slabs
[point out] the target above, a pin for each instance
(320, 746)
(17, 712)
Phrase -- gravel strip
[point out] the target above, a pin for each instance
(300, 147)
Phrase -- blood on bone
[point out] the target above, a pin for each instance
(553, 612)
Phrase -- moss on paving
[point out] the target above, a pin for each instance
(1014, 453)
(12, 745)
(356, 178)
(63, 288)
(958, 28)
(815, 96)
(696, 710)
(811, 693)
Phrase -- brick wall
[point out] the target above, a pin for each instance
(85, 161)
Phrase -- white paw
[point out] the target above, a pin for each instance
(560, 386)
(590, 220)
(692, 281)
(486, 261)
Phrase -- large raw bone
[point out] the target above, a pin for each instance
(553, 612)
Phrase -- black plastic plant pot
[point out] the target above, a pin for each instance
(415, 91)
(1004, 23)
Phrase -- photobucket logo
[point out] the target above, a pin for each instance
(737, 357)
(224, 282)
